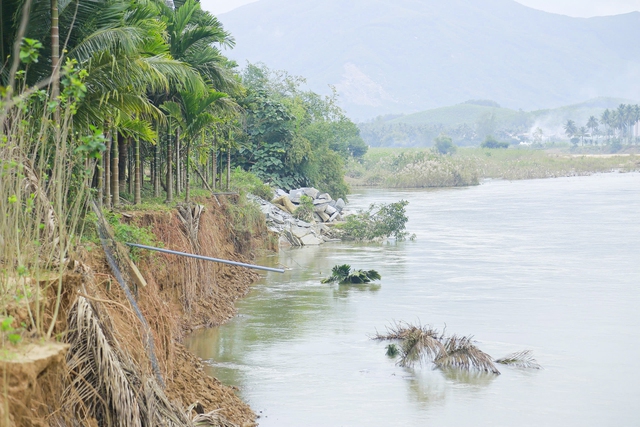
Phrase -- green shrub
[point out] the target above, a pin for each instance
(247, 182)
(492, 143)
(379, 221)
(305, 209)
(443, 144)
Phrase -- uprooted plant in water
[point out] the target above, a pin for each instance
(343, 275)
(419, 344)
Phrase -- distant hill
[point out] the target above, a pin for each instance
(403, 56)
(470, 122)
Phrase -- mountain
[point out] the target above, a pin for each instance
(402, 56)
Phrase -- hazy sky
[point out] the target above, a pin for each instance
(582, 8)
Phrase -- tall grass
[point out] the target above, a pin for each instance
(45, 171)
(421, 168)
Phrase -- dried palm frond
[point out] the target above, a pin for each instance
(521, 359)
(460, 353)
(98, 380)
(105, 384)
(401, 330)
(212, 419)
(418, 345)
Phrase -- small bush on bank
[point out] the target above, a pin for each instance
(443, 144)
(247, 182)
(492, 143)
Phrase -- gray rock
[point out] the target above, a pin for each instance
(334, 216)
(300, 232)
(280, 192)
(295, 195)
(333, 203)
(277, 218)
(324, 196)
(311, 240)
(301, 223)
(340, 205)
(323, 216)
(311, 192)
(330, 210)
(320, 208)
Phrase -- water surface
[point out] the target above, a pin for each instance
(547, 265)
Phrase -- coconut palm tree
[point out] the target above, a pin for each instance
(592, 124)
(570, 128)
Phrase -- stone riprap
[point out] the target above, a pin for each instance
(293, 231)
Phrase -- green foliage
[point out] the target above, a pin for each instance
(392, 350)
(379, 221)
(443, 144)
(295, 138)
(124, 233)
(305, 209)
(247, 182)
(8, 332)
(492, 143)
(342, 274)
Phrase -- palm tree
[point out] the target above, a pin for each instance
(582, 132)
(592, 124)
(570, 128)
(193, 115)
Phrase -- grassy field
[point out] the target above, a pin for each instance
(422, 168)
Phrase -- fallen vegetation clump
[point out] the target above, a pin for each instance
(343, 275)
(418, 344)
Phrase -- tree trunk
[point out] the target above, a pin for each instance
(137, 199)
(115, 172)
(178, 165)
(122, 166)
(169, 171)
(187, 178)
(107, 172)
(228, 168)
(55, 50)
(130, 165)
(214, 165)
(156, 165)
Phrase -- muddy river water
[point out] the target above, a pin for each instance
(547, 265)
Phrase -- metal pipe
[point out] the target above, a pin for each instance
(205, 258)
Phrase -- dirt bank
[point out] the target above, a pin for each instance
(181, 294)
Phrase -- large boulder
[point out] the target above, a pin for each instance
(296, 195)
(311, 192)
(285, 202)
(340, 205)
(311, 240)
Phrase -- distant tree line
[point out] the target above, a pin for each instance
(618, 126)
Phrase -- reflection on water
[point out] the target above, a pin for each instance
(547, 265)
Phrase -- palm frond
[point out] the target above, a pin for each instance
(521, 359)
(98, 378)
(420, 344)
(460, 353)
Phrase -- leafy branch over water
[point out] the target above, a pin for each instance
(378, 222)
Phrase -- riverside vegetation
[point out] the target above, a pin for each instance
(134, 106)
(425, 167)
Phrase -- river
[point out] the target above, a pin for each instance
(547, 265)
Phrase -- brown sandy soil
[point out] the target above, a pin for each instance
(182, 294)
